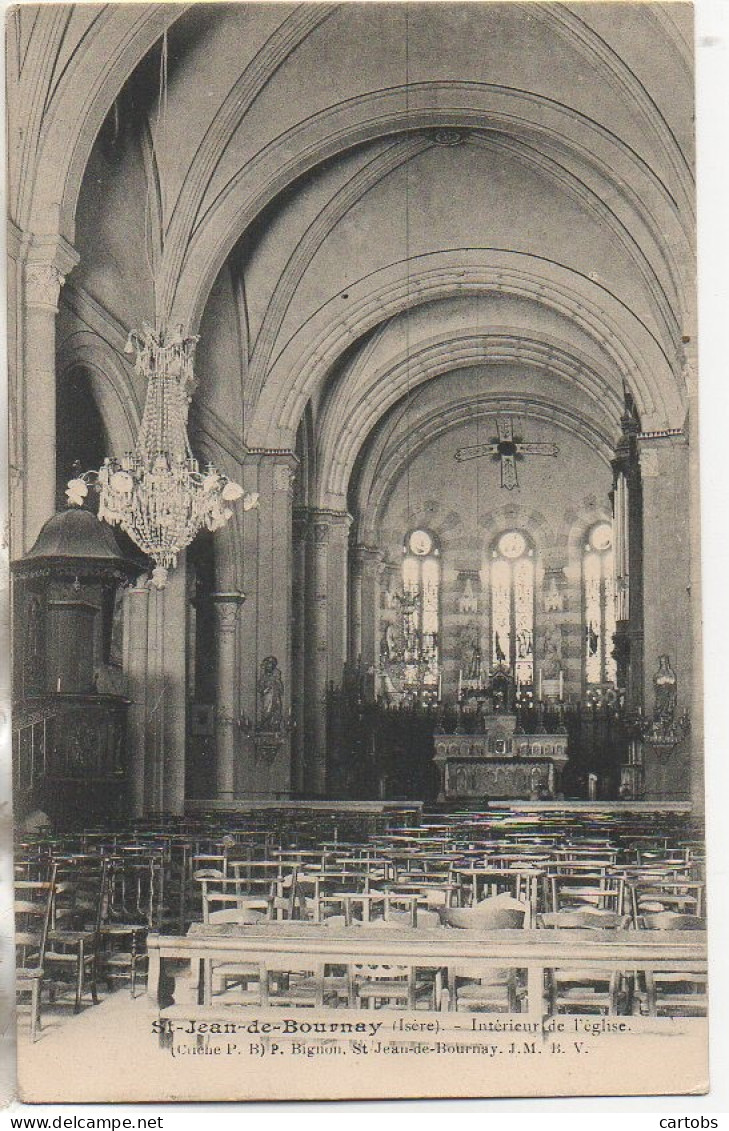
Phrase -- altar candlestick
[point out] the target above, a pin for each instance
(561, 685)
(540, 685)
(460, 682)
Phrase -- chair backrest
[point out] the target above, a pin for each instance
(80, 893)
(136, 890)
(33, 903)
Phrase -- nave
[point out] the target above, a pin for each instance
(383, 388)
(356, 601)
(289, 912)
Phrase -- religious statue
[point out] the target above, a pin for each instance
(388, 644)
(553, 597)
(270, 696)
(473, 667)
(664, 684)
(468, 602)
(552, 652)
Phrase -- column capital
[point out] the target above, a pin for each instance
(227, 608)
(331, 517)
(43, 282)
(49, 260)
(365, 557)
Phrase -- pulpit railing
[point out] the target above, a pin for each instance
(70, 747)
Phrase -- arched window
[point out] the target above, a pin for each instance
(512, 604)
(421, 612)
(598, 598)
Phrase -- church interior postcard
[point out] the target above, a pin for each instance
(354, 550)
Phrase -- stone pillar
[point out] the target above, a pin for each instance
(46, 265)
(227, 609)
(298, 649)
(628, 509)
(166, 699)
(667, 612)
(318, 667)
(136, 628)
(355, 604)
(327, 613)
(16, 247)
(267, 614)
(365, 626)
(338, 620)
(155, 712)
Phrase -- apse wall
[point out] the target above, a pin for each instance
(463, 504)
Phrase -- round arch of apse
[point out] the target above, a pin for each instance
(346, 422)
(376, 490)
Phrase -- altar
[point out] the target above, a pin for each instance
(499, 763)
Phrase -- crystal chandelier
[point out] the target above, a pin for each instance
(158, 494)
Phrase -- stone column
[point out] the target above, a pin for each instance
(166, 698)
(267, 627)
(366, 594)
(174, 749)
(667, 613)
(628, 507)
(227, 609)
(298, 649)
(46, 265)
(355, 604)
(136, 628)
(338, 561)
(155, 706)
(318, 667)
(16, 247)
(327, 613)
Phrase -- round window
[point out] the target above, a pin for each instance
(512, 545)
(420, 543)
(601, 538)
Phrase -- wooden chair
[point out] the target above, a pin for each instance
(489, 988)
(575, 889)
(74, 933)
(33, 903)
(244, 978)
(134, 907)
(583, 990)
(667, 994)
(655, 894)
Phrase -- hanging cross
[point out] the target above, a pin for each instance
(507, 449)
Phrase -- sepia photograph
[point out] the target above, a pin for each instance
(355, 551)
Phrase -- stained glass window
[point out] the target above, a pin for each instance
(512, 605)
(598, 587)
(421, 613)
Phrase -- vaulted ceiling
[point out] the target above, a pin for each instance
(354, 202)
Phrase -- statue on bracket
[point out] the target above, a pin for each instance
(270, 696)
(664, 685)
